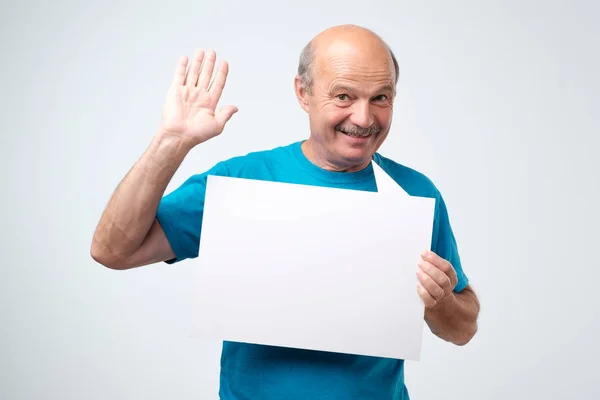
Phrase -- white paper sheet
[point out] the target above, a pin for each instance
(385, 184)
(312, 267)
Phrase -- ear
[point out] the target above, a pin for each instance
(301, 93)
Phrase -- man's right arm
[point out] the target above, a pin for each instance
(128, 234)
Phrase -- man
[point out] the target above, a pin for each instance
(346, 83)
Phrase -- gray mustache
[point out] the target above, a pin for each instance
(357, 130)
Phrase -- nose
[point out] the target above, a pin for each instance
(362, 115)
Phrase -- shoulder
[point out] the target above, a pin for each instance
(255, 161)
(412, 181)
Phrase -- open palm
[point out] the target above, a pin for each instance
(190, 108)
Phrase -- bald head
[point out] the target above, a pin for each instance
(346, 84)
(342, 42)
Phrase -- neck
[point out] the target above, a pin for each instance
(318, 156)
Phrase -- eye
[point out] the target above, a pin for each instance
(381, 97)
(342, 97)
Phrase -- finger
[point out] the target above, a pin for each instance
(428, 301)
(224, 114)
(179, 76)
(207, 69)
(194, 72)
(442, 264)
(432, 287)
(216, 88)
(438, 276)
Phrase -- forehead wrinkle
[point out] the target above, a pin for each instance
(339, 69)
(384, 85)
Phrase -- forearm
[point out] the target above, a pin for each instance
(454, 319)
(132, 208)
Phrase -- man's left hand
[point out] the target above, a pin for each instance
(436, 279)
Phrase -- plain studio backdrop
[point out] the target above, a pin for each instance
(497, 104)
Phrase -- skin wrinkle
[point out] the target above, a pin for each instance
(353, 88)
(353, 92)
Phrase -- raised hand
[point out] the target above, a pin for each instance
(190, 108)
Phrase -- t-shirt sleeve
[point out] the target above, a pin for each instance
(444, 242)
(180, 214)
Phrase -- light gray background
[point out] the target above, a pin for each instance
(498, 105)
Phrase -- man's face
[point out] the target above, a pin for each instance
(350, 109)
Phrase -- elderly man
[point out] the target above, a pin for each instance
(346, 83)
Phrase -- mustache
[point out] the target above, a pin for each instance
(358, 130)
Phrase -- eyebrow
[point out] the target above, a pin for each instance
(384, 88)
(342, 88)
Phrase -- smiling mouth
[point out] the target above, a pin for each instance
(358, 133)
(357, 136)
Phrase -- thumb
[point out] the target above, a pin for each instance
(224, 114)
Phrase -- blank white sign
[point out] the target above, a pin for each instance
(312, 267)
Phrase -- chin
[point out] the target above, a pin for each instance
(357, 150)
(355, 156)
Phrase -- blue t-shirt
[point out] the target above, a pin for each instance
(250, 371)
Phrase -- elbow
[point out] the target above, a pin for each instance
(106, 258)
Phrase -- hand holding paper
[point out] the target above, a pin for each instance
(437, 278)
